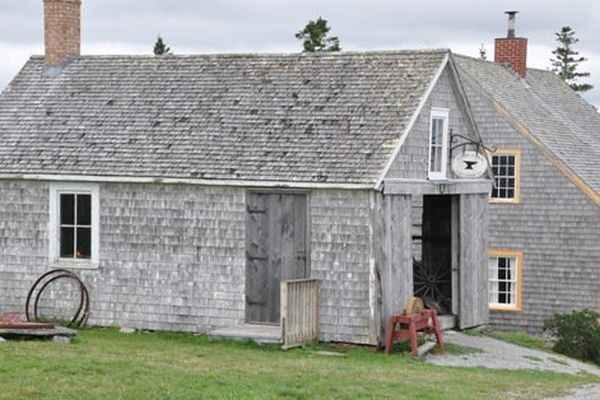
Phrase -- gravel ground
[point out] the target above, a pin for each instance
(497, 354)
(588, 392)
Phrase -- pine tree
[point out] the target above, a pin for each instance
(160, 48)
(314, 37)
(566, 60)
(482, 52)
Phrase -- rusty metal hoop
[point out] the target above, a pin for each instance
(82, 314)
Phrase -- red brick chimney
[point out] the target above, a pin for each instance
(62, 30)
(512, 50)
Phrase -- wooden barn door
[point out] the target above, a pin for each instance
(275, 251)
(473, 260)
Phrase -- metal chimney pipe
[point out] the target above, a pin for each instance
(511, 23)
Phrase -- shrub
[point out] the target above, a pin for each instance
(577, 334)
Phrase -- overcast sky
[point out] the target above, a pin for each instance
(225, 26)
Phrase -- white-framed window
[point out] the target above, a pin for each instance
(74, 225)
(505, 279)
(506, 166)
(438, 143)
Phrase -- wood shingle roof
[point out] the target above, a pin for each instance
(546, 110)
(333, 118)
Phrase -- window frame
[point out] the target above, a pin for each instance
(56, 190)
(516, 199)
(443, 114)
(518, 256)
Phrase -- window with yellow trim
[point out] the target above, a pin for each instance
(505, 279)
(506, 166)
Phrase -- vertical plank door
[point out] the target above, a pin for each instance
(275, 251)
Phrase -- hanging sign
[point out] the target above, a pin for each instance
(469, 164)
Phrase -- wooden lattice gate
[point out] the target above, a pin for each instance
(299, 311)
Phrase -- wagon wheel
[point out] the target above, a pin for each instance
(429, 281)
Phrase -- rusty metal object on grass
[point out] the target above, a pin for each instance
(34, 295)
(11, 320)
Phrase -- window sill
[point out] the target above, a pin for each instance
(438, 179)
(514, 309)
(63, 264)
(504, 201)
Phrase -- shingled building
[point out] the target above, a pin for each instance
(185, 189)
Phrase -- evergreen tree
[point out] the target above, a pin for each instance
(482, 52)
(314, 37)
(566, 60)
(160, 48)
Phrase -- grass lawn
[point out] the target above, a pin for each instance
(105, 364)
(521, 339)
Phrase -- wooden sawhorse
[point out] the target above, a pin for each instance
(405, 327)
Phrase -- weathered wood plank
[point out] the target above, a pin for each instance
(473, 267)
(396, 272)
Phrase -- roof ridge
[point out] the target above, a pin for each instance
(248, 55)
(471, 58)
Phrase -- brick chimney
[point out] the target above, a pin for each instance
(62, 30)
(512, 50)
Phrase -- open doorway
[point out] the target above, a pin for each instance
(433, 276)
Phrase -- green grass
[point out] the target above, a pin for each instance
(456, 349)
(521, 339)
(105, 364)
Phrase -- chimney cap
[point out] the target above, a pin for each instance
(511, 23)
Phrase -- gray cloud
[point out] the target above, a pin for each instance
(197, 26)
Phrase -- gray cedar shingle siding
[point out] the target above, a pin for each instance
(412, 162)
(342, 257)
(555, 224)
(292, 118)
(23, 240)
(178, 251)
(173, 256)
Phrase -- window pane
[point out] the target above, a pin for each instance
(436, 145)
(440, 124)
(434, 133)
(433, 166)
(67, 245)
(84, 209)
(503, 167)
(503, 280)
(84, 242)
(438, 160)
(502, 298)
(67, 209)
